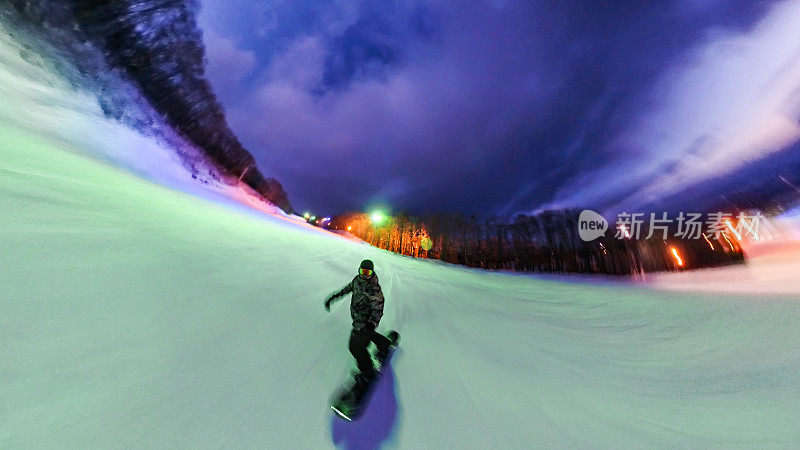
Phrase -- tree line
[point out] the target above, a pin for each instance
(159, 47)
(545, 242)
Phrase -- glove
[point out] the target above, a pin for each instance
(328, 302)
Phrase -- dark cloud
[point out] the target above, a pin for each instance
(370, 47)
(501, 106)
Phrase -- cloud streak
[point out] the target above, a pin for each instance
(507, 106)
(733, 99)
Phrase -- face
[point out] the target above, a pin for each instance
(365, 273)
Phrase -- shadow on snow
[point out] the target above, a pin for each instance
(377, 421)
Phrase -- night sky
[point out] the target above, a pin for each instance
(504, 106)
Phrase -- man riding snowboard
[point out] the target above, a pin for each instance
(366, 309)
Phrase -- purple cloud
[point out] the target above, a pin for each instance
(501, 107)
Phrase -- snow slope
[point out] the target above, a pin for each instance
(134, 315)
(771, 269)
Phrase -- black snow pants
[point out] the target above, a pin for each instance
(359, 340)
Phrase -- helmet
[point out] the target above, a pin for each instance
(367, 264)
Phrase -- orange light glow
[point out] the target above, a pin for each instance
(677, 257)
(709, 242)
(349, 228)
(728, 241)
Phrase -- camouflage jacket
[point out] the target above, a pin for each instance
(366, 305)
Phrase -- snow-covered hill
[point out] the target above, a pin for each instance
(133, 314)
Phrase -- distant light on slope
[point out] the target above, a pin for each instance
(678, 259)
(709, 242)
(724, 236)
(376, 217)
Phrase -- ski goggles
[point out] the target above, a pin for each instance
(365, 272)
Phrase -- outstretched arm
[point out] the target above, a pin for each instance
(344, 291)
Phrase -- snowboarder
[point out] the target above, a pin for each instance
(366, 309)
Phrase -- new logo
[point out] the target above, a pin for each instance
(591, 225)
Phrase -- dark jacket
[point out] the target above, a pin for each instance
(366, 305)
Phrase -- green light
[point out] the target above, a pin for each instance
(426, 244)
(376, 217)
(306, 215)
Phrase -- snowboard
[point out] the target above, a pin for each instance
(350, 401)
